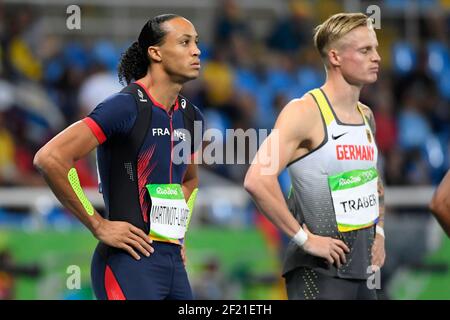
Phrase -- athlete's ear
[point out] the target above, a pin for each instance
(155, 53)
(334, 58)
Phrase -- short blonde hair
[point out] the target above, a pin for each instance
(335, 27)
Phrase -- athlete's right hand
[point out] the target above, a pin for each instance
(333, 250)
(123, 235)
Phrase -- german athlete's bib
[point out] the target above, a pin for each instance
(169, 214)
(355, 199)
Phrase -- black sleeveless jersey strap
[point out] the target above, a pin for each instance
(190, 115)
(124, 188)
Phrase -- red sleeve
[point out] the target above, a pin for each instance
(96, 130)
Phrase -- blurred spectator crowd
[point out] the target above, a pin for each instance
(48, 82)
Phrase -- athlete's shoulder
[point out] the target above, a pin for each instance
(306, 101)
(122, 100)
(115, 114)
(117, 107)
(299, 118)
(368, 113)
(303, 108)
(366, 110)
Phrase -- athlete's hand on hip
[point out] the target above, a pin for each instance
(378, 253)
(333, 250)
(123, 235)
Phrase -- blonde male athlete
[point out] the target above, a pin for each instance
(326, 140)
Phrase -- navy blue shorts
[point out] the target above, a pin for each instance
(117, 275)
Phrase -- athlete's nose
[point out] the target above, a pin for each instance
(376, 57)
(196, 52)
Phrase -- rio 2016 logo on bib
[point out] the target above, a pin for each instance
(166, 191)
(355, 200)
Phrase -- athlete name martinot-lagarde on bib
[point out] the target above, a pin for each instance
(169, 214)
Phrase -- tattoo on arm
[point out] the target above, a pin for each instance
(371, 122)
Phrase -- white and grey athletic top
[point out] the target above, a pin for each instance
(334, 191)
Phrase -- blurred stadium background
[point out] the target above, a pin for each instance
(256, 56)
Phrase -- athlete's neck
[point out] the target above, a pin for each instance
(342, 95)
(164, 91)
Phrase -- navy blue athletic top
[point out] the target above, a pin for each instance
(115, 117)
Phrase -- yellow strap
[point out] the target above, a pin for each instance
(362, 113)
(365, 118)
(323, 106)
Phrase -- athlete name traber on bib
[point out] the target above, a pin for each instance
(355, 205)
(355, 198)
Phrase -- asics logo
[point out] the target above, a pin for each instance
(141, 96)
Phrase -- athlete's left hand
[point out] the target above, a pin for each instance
(378, 253)
(183, 255)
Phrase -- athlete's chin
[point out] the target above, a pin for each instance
(371, 79)
(193, 75)
(186, 77)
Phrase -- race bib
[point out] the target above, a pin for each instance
(169, 214)
(355, 198)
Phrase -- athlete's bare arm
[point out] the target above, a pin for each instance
(190, 180)
(378, 251)
(55, 159)
(293, 136)
(371, 120)
(440, 204)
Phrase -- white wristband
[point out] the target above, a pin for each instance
(380, 231)
(300, 238)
